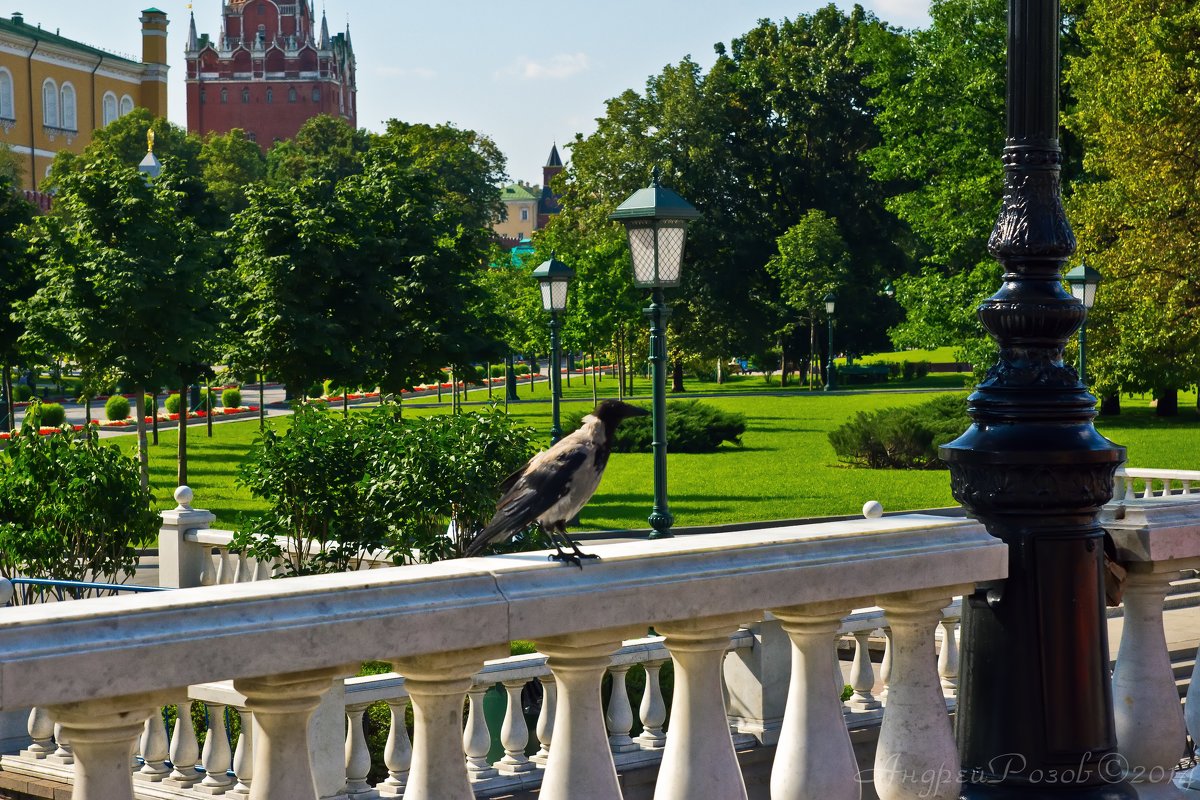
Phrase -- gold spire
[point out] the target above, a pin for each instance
(150, 140)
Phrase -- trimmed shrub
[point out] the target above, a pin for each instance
(207, 399)
(52, 415)
(901, 438)
(151, 405)
(922, 369)
(231, 398)
(692, 427)
(171, 403)
(22, 392)
(117, 408)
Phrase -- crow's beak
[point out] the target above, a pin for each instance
(637, 411)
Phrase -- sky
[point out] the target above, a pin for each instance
(527, 75)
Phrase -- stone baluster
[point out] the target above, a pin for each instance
(618, 717)
(185, 749)
(1130, 494)
(217, 757)
(243, 757)
(885, 666)
(653, 710)
(1148, 489)
(208, 570)
(916, 758)
(282, 706)
(862, 675)
(514, 732)
(103, 733)
(1187, 487)
(699, 759)
(545, 720)
(358, 758)
(839, 680)
(397, 752)
(225, 568)
(41, 732)
(814, 757)
(153, 749)
(948, 657)
(1150, 722)
(62, 751)
(580, 766)
(476, 738)
(436, 684)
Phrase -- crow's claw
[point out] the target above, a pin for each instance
(571, 558)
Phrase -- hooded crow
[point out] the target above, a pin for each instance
(554, 485)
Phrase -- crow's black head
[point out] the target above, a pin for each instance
(611, 412)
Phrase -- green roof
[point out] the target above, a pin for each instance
(153, 10)
(38, 34)
(516, 191)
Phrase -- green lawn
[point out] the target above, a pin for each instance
(785, 469)
(941, 355)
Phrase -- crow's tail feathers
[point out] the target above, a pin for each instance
(495, 530)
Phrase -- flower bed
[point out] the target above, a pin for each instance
(164, 417)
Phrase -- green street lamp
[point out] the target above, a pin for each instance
(553, 276)
(656, 219)
(1083, 280)
(830, 376)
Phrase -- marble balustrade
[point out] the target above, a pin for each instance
(1132, 483)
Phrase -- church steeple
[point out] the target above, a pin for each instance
(193, 42)
(554, 160)
(324, 31)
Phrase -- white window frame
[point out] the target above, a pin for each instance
(50, 103)
(109, 107)
(127, 105)
(67, 109)
(7, 104)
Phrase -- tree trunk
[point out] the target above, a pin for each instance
(1168, 402)
(569, 360)
(87, 411)
(208, 406)
(262, 406)
(595, 400)
(9, 421)
(139, 404)
(154, 416)
(620, 365)
(677, 377)
(812, 350)
(488, 367)
(720, 370)
(181, 448)
(1110, 405)
(782, 363)
(345, 404)
(533, 371)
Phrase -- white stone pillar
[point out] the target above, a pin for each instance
(437, 684)
(948, 657)
(282, 706)
(217, 756)
(358, 759)
(618, 717)
(1150, 724)
(514, 732)
(653, 710)
(181, 564)
(185, 749)
(103, 734)
(397, 752)
(476, 738)
(580, 766)
(916, 758)
(243, 757)
(41, 732)
(814, 759)
(885, 666)
(699, 759)
(545, 720)
(862, 675)
(153, 748)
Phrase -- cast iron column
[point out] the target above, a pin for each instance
(1035, 713)
(830, 379)
(555, 379)
(660, 518)
(1083, 353)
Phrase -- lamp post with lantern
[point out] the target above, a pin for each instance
(830, 375)
(1083, 281)
(553, 277)
(656, 218)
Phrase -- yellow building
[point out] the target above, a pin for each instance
(55, 91)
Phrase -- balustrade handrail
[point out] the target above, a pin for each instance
(324, 621)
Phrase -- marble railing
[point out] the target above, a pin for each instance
(1132, 483)
(746, 618)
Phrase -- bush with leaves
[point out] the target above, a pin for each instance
(901, 438)
(116, 408)
(22, 392)
(692, 427)
(51, 415)
(172, 402)
(231, 398)
(71, 508)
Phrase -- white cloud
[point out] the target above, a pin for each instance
(900, 12)
(557, 67)
(422, 73)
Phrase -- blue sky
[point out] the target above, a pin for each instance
(527, 75)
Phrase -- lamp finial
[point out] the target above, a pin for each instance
(150, 140)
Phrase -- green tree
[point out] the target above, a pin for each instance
(229, 163)
(1137, 86)
(324, 149)
(16, 282)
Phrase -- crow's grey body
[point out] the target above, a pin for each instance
(553, 486)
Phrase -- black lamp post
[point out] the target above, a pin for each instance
(830, 374)
(553, 277)
(656, 220)
(1083, 281)
(1035, 713)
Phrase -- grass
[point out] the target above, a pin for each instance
(785, 469)
(940, 355)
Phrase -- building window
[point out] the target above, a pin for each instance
(270, 96)
(252, 136)
(50, 103)
(317, 95)
(109, 107)
(6, 95)
(224, 95)
(292, 96)
(126, 104)
(524, 215)
(245, 95)
(203, 97)
(67, 106)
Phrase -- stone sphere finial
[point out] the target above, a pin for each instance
(183, 496)
(872, 509)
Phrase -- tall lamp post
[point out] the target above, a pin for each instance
(1083, 281)
(656, 220)
(553, 276)
(830, 373)
(1035, 699)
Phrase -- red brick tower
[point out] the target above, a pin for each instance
(267, 72)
